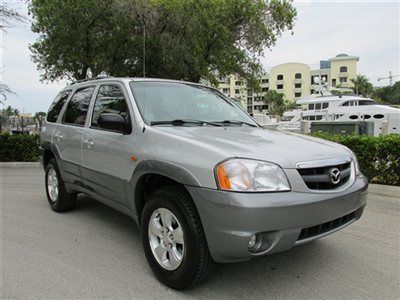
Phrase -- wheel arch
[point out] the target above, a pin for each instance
(152, 174)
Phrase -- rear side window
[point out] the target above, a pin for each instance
(110, 99)
(57, 105)
(78, 106)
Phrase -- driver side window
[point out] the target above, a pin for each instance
(110, 99)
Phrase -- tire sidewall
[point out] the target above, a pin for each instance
(53, 165)
(184, 274)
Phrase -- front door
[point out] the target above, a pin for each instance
(107, 166)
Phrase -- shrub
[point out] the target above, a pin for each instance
(19, 147)
(378, 156)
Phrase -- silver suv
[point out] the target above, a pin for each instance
(202, 180)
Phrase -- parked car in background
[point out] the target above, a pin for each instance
(201, 179)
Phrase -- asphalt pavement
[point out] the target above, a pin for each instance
(95, 252)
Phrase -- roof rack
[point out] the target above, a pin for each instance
(90, 79)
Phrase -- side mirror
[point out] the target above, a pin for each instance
(113, 122)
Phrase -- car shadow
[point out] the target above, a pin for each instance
(269, 275)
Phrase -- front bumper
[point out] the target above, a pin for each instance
(230, 218)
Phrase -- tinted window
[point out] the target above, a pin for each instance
(57, 105)
(367, 117)
(109, 99)
(353, 117)
(378, 116)
(325, 105)
(78, 106)
(166, 101)
(317, 105)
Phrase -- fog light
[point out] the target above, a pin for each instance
(254, 243)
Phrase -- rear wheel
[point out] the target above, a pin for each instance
(173, 239)
(57, 196)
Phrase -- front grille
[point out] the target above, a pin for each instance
(326, 227)
(320, 178)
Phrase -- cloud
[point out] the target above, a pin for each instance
(369, 30)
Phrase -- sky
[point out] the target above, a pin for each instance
(323, 29)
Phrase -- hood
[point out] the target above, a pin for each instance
(283, 148)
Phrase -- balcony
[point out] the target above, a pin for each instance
(298, 80)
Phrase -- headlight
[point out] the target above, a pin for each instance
(246, 175)
(355, 161)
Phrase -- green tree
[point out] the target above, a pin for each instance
(276, 103)
(362, 86)
(388, 94)
(182, 39)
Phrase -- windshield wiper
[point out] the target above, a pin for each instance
(180, 122)
(235, 122)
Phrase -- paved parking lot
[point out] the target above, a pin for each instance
(95, 252)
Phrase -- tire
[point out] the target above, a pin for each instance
(61, 200)
(196, 263)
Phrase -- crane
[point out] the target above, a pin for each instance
(390, 77)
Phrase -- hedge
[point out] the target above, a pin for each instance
(19, 147)
(378, 156)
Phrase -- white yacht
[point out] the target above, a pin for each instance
(327, 107)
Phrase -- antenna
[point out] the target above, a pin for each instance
(144, 49)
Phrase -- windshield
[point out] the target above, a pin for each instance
(169, 101)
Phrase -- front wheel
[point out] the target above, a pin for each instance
(173, 239)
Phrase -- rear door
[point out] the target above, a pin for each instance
(107, 165)
(67, 136)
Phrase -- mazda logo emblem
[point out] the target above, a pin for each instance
(334, 174)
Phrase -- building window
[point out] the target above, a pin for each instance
(297, 95)
(334, 82)
(297, 76)
(343, 69)
(279, 77)
(297, 85)
(225, 91)
(249, 92)
(343, 79)
(264, 80)
(279, 86)
(317, 105)
(264, 89)
(238, 83)
(237, 91)
(249, 100)
(311, 106)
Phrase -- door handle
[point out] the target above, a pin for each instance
(89, 143)
(58, 136)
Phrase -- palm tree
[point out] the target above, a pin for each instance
(362, 85)
(276, 103)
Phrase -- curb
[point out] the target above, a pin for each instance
(20, 164)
